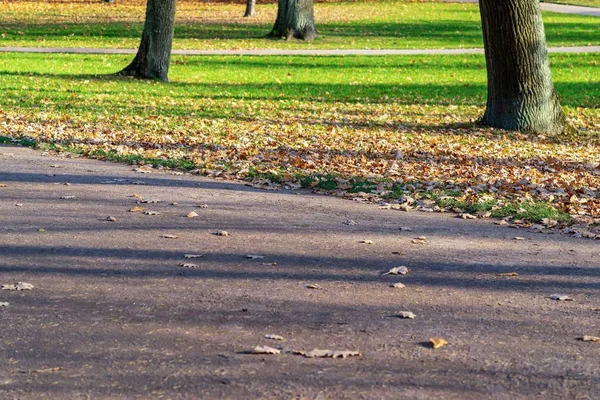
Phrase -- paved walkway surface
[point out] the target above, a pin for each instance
(275, 52)
(557, 8)
(113, 314)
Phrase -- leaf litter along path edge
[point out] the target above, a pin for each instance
(115, 292)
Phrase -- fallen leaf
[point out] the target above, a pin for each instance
(111, 219)
(4, 304)
(343, 354)
(398, 285)
(202, 206)
(313, 286)
(519, 238)
(406, 315)
(273, 337)
(436, 343)
(149, 201)
(420, 240)
(317, 353)
(350, 222)
(402, 270)
(18, 204)
(561, 297)
(269, 264)
(136, 196)
(41, 230)
(405, 229)
(3, 185)
(221, 233)
(167, 236)
(467, 216)
(189, 265)
(40, 371)
(366, 241)
(192, 214)
(151, 213)
(265, 350)
(67, 197)
(508, 274)
(193, 255)
(136, 209)
(254, 257)
(18, 286)
(587, 338)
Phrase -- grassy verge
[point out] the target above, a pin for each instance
(362, 25)
(385, 128)
(585, 3)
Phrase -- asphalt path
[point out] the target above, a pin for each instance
(117, 312)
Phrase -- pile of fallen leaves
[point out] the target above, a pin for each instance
(397, 153)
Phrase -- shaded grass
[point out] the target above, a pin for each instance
(375, 25)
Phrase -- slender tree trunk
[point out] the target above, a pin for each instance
(154, 54)
(250, 8)
(295, 19)
(521, 95)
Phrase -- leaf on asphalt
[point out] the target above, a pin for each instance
(149, 201)
(436, 343)
(168, 236)
(40, 371)
(18, 204)
(467, 216)
(366, 241)
(111, 219)
(406, 315)
(136, 196)
(505, 274)
(420, 240)
(202, 206)
(18, 286)
(519, 238)
(193, 255)
(402, 270)
(350, 222)
(189, 265)
(588, 338)
(273, 337)
(41, 230)
(343, 354)
(192, 214)
(4, 304)
(151, 213)
(315, 286)
(265, 350)
(136, 209)
(221, 233)
(3, 185)
(561, 297)
(269, 264)
(255, 257)
(316, 353)
(67, 197)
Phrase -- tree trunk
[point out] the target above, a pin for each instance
(295, 19)
(250, 8)
(154, 54)
(521, 95)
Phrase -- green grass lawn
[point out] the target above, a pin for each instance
(373, 25)
(322, 121)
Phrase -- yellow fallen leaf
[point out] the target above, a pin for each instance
(588, 338)
(436, 343)
(192, 214)
(136, 209)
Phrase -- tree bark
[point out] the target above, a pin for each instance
(250, 8)
(154, 54)
(295, 19)
(521, 94)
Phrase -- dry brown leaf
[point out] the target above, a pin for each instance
(67, 197)
(398, 285)
(402, 270)
(406, 315)
(317, 353)
(221, 233)
(436, 343)
(193, 255)
(366, 241)
(151, 213)
(561, 297)
(136, 196)
(265, 350)
(588, 338)
(18, 286)
(467, 216)
(111, 219)
(149, 201)
(343, 354)
(189, 265)
(4, 304)
(136, 209)
(505, 274)
(192, 214)
(273, 337)
(255, 256)
(313, 286)
(3, 185)
(168, 236)
(202, 206)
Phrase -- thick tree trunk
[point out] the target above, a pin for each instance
(154, 54)
(295, 19)
(250, 8)
(521, 95)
